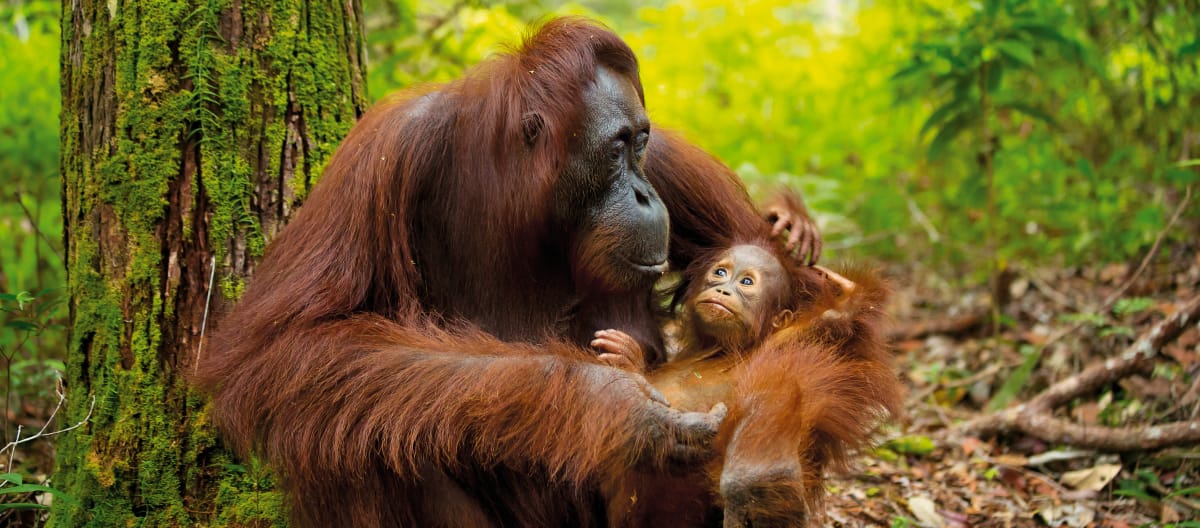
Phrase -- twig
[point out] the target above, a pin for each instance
(38, 231)
(1051, 293)
(42, 432)
(1036, 418)
(212, 273)
(923, 220)
(1112, 297)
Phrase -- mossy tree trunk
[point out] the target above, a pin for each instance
(190, 131)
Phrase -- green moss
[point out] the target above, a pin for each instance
(149, 455)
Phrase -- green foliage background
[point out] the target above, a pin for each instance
(873, 110)
(884, 114)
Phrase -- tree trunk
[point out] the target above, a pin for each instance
(190, 132)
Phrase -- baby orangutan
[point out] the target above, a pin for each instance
(774, 342)
(742, 293)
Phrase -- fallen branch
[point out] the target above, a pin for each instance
(1035, 417)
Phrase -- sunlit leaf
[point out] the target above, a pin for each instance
(911, 445)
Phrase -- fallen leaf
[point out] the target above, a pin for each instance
(1113, 272)
(1087, 413)
(1183, 349)
(1058, 455)
(1094, 478)
(970, 444)
(1073, 515)
(925, 511)
(1168, 515)
(1146, 389)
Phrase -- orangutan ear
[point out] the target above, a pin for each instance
(531, 127)
(782, 319)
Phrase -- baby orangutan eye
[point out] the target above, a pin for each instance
(720, 272)
(747, 281)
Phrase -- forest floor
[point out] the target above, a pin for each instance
(1084, 452)
(1059, 327)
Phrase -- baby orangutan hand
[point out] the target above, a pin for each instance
(620, 350)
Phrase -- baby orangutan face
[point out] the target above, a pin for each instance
(741, 290)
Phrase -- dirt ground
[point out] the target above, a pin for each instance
(1060, 327)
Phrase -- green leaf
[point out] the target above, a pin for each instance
(912, 69)
(949, 131)
(1031, 111)
(1044, 32)
(995, 74)
(14, 478)
(1012, 386)
(22, 325)
(1195, 490)
(234, 468)
(23, 506)
(1017, 51)
(911, 445)
(36, 488)
(1181, 176)
(24, 297)
(1135, 493)
(944, 113)
(1190, 48)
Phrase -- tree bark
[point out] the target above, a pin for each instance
(190, 131)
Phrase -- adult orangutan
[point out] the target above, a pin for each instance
(796, 353)
(410, 351)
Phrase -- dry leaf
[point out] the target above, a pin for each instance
(1168, 515)
(1087, 413)
(1073, 515)
(970, 444)
(925, 511)
(1114, 272)
(1094, 478)
(1058, 455)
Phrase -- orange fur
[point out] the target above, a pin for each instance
(801, 403)
(408, 351)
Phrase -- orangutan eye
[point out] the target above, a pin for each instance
(747, 281)
(616, 150)
(720, 272)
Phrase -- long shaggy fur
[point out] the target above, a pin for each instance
(407, 352)
(802, 402)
